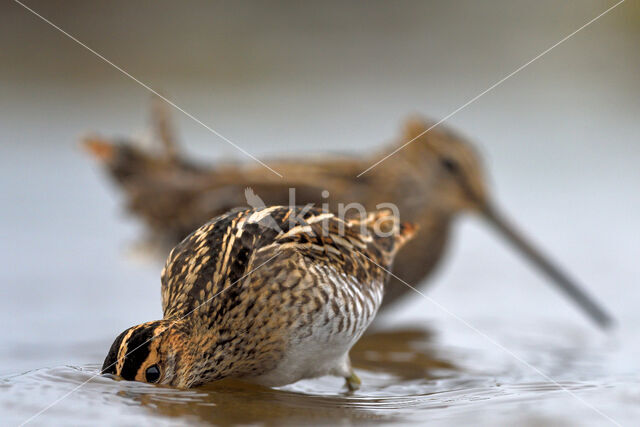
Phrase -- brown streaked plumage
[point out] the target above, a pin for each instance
(270, 302)
(173, 196)
(431, 181)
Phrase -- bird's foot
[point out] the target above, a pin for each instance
(353, 381)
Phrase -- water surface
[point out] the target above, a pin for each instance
(407, 377)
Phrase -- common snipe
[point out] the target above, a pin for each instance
(431, 181)
(271, 302)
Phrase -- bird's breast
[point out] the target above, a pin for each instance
(322, 336)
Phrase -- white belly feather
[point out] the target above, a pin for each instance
(320, 348)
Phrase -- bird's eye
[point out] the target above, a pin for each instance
(449, 164)
(152, 374)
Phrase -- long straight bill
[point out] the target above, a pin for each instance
(552, 271)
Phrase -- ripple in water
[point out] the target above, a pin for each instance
(405, 378)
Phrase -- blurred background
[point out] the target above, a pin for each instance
(559, 140)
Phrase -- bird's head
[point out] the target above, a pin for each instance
(153, 352)
(451, 178)
(447, 170)
(176, 353)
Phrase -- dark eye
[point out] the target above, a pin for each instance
(449, 164)
(152, 374)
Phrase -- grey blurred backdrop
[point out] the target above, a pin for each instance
(560, 141)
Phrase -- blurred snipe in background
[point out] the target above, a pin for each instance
(431, 181)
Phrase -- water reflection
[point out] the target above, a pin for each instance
(408, 376)
(408, 354)
(389, 359)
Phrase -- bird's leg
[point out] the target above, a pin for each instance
(353, 381)
(344, 369)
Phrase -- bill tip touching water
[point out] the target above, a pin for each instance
(556, 275)
(431, 182)
(270, 302)
(498, 306)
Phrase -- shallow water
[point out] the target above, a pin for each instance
(495, 345)
(407, 377)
